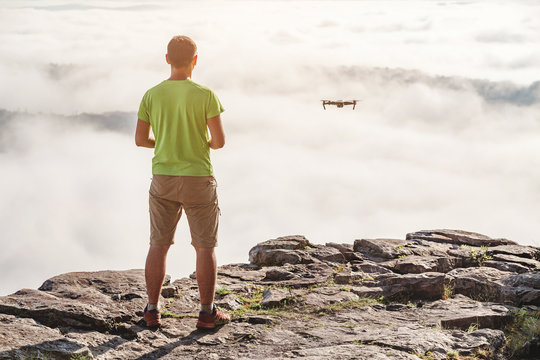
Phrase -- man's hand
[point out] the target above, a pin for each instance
(216, 131)
(142, 135)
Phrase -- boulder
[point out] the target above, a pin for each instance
(280, 251)
(427, 285)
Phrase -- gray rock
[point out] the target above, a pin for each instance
(419, 264)
(347, 250)
(275, 297)
(350, 277)
(458, 237)
(428, 285)
(530, 263)
(530, 252)
(506, 266)
(278, 275)
(490, 284)
(278, 257)
(24, 338)
(370, 267)
(382, 248)
(322, 297)
(244, 272)
(229, 302)
(169, 291)
(329, 254)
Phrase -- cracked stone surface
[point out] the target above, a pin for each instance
(424, 296)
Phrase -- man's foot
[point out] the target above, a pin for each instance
(211, 320)
(152, 317)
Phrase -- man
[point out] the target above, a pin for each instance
(180, 112)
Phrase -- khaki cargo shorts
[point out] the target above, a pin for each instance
(197, 195)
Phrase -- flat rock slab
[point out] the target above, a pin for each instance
(459, 237)
(24, 338)
(490, 284)
(382, 248)
(354, 351)
(463, 313)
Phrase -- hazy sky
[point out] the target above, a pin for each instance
(447, 134)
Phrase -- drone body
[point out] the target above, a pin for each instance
(339, 103)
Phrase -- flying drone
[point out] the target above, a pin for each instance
(339, 103)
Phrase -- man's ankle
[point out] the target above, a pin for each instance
(207, 308)
(152, 306)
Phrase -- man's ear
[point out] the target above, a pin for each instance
(167, 58)
(195, 60)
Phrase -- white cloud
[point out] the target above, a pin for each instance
(447, 133)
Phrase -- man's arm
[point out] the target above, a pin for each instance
(142, 135)
(217, 140)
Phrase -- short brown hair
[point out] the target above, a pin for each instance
(181, 50)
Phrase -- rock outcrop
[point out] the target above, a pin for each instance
(441, 294)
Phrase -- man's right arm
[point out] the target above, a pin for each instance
(217, 140)
(142, 135)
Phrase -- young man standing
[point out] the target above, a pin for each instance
(180, 112)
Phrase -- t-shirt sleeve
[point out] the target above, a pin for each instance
(144, 112)
(213, 106)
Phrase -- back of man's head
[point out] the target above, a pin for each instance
(181, 50)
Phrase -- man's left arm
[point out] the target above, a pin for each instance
(142, 135)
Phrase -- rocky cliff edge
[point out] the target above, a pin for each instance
(437, 294)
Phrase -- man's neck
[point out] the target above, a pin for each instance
(180, 74)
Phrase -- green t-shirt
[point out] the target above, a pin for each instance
(177, 111)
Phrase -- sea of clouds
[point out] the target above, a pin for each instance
(447, 133)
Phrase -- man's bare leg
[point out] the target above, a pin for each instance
(206, 271)
(154, 272)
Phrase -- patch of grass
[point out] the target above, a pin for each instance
(223, 291)
(34, 356)
(112, 325)
(427, 356)
(411, 305)
(478, 256)
(524, 326)
(472, 327)
(448, 291)
(452, 355)
(359, 281)
(348, 304)
(79, 357)
(170, 314)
